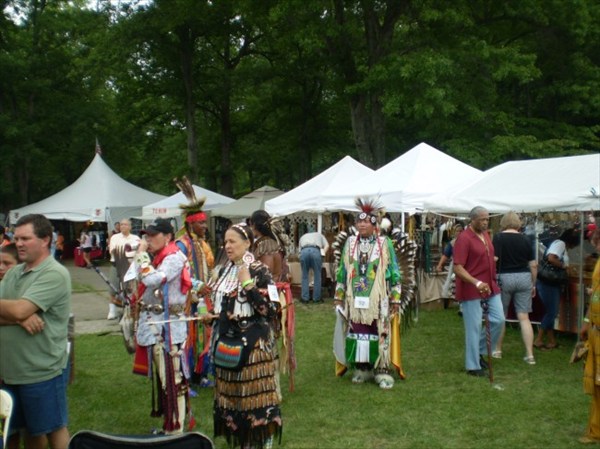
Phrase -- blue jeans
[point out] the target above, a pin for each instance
(550, 296)
(310, 259)
(475, 335)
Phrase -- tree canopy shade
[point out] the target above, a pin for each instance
(238, 94)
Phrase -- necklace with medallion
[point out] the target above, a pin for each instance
(365, 249)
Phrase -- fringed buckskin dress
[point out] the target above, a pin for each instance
(246, 407)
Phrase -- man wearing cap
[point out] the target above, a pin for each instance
(367, 296)
(122, 249)
(163, 285)
(312, 246)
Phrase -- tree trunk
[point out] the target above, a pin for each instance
(225, 122)
(187, 56)
(368, 128)
(366, 110)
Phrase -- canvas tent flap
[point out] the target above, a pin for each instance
(247, 204)
(169, 207)
(99, 194)
(569, 183)
(325, 192)
(405, 183)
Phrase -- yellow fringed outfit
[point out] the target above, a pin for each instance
(591, 376)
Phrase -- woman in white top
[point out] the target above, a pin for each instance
(85, 241)
(549, 293)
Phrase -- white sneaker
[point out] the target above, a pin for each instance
(112, 312)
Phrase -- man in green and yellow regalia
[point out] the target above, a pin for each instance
(367, 299)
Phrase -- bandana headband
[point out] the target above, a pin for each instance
(198, 216)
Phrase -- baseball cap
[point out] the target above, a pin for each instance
(159, 225)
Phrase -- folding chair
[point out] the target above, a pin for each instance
(87, 439)
(6, 407)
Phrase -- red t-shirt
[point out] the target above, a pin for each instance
(477, 258)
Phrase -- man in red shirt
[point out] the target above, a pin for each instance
(475, 270)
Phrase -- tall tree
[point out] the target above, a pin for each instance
(359, 38)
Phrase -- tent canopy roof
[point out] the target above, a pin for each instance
(99, 194)
(569, 183)
(406, 182)
(169, 207)
(246, 205)
(325, 192)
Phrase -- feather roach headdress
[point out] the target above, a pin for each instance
(370, 208)
(193, 209)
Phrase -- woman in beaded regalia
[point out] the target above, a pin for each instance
(246, 406)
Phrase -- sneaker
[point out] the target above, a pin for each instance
(205, 382)
(112, 312)
(361, 376)
(530, 360)
(483, 362)
(477, 373)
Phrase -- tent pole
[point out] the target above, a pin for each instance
(581, 292)
(319, 223)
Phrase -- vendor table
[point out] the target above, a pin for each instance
(96, 253)
(327, 276)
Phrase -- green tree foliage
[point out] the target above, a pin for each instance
(238, 94)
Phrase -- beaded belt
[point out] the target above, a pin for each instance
(158, 309)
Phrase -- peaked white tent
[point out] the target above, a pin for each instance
(405, 183)
(569, 183)
(323, 193)
(169, 207)
(99, 194)
(247, 204)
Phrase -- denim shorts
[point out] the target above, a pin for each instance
(40, 408)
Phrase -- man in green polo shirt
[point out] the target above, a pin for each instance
(35, 302)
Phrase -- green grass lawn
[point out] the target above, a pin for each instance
(437, 406)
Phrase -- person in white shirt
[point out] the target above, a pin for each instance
(313, 245)
(122, 248)
(85, 242)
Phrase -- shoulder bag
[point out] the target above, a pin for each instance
(549, 274)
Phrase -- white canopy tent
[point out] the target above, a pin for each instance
(99, 194)
(569, 183)
(405, 183)
(323, 193)
(169, 207)
(246, 205)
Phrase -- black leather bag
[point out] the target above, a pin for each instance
(549, 274)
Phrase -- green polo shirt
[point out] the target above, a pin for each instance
(25, 358)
